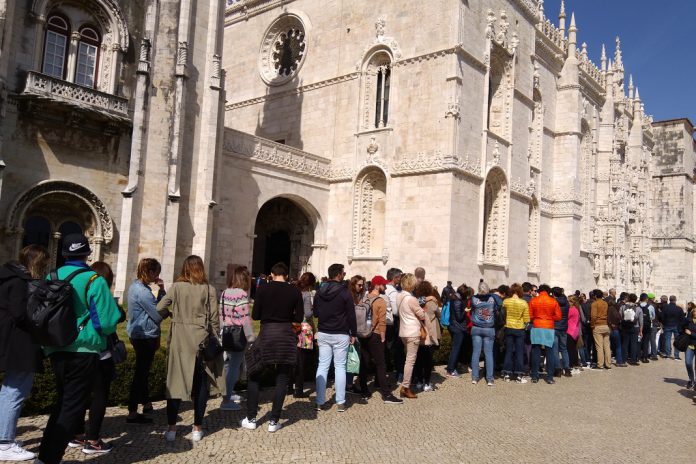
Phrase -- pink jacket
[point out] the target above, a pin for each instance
(573, 322)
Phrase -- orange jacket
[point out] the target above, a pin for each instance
(544, 310)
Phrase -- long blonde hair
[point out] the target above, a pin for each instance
(192, 271)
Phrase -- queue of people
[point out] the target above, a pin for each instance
(395, 320)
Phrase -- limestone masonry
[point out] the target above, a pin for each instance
(475, 138)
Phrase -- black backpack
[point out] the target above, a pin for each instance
(647, 322)
(50, 310)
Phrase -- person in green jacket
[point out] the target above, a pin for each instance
(75, 365)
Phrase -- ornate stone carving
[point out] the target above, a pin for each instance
(452, 109)
(216, 73)
(104, 224)
(368, 220)
(380, 26)
(144, 56)
(78, 96)
(495, 219)
(437, 162)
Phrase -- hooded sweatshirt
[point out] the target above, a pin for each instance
(333, 306)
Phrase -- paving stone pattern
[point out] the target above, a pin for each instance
(631, 415)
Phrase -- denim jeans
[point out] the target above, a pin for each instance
(479, 337)
(689, 360)
(653, 340)
(16, 387)
(457, 342)
(560, 345)
(514, 345)
(669, 331)
(630, 344)
(615, 341)
(332, 346)
(233, 364)
(536, 360)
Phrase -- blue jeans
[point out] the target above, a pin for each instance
(233, 365)
(485, 337)
(332, 346)
(457, 342)
(514, 344)
(16, 387)
(615, 341)
(630, 344)
(560, 345)
(536, 360)
(668, 332)
(689, 357)
(653, 340)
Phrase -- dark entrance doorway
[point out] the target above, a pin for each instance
(284, 233)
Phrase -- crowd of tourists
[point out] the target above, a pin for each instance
(352, 329)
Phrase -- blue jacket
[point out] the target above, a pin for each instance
(143, 318)
(483, 308)
(565, 307)
(672, 316)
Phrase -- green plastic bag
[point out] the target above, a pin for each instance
(353, 361)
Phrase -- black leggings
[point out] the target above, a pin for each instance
(304, 358)
(106, 371)
(572, 351)
(145, 349)
(424, 364)
(282, 374)
(199, 395)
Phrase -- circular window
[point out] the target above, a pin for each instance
(283, 50)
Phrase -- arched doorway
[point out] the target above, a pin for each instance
(283, 232)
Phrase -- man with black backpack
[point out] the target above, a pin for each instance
(74, 365)
(648, 316)
(631, 328)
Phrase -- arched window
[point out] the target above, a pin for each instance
(495, 214)
(37, 231)
(87, 56)
(56, 46)
(377, 89)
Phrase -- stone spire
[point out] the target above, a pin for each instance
(562, 18)
(604, 58)
(630, 86)
(637, 97)
(572, 37)
(617, 54)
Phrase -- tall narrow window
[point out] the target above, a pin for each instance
(87, 54)
(55, 46)
(376, 90)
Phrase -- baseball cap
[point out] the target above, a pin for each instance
(76, 245)
(378, 280)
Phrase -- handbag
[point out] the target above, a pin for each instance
(117, 349)
(233, 338)
(682, 342)
(210, 348)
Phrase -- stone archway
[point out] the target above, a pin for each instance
(52, 209)
(283, 232)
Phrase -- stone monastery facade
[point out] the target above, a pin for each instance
(475, 138)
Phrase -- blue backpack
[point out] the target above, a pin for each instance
(445, 315)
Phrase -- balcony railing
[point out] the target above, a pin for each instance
(54, 89)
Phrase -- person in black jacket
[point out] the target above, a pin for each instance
(689, 328)
(457, 328)
(336, 330)
(20, 357)
(672, 320)
(561, 336)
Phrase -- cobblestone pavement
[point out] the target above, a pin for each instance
(633, 414)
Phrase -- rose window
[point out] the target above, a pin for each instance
(283, 50)
(288, 51)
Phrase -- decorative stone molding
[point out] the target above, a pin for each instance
(144, 56)
(380, 40)
(216, 74)
(368, 222)
(102, 219)
(437, 162)
(57, 90)
(453, 110)
(526, 191)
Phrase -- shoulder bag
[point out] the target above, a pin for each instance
(233, 337)
(210, 348)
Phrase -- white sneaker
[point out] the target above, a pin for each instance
(274, 426)
(235, 398)
(427, 388)
(196, 435)
(229, 406)
(14, 452)
(521, 380)
(575, 371)
(170, 435)
(248, 424)
(490, 384)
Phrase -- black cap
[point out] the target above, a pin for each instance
(76, 245)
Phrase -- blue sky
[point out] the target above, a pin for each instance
(658, 40)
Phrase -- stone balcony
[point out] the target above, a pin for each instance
(89, 102)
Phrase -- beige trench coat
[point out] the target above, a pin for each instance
(189, 311)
